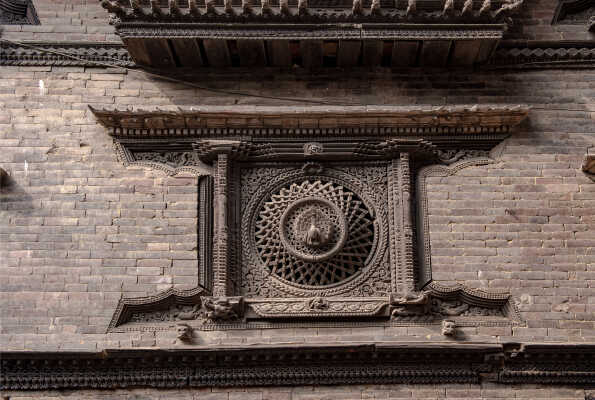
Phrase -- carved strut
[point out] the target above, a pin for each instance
(508, 7)
(227, 6)
(485, 8)
(210, 7)
(449, 7)
(194, 11)
(284, 7)
(375, 7)
(302, 7)
(357, 8)
(467, 7)
(156, 8)
(265, 7)
(246, 6)
(174, 9)
(411, 7)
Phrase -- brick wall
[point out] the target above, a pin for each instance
(65, 20)
(78, 230)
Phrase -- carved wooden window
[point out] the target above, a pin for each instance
(315, 216)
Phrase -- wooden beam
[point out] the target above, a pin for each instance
(486, 50)
(159, 53)
(404, 53)
(251, 52)
(311, 53)
(279, 53)
(188, 52)
(434, 53)
(137, 50)
(465, 52)
(372, 52)
(217, 52)
(348, 53)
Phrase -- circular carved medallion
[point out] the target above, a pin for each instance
(314, 232)
(313, 229)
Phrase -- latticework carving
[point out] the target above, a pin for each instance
(314, 233)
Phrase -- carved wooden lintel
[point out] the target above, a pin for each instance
(442, 124)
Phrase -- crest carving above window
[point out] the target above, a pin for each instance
(328, 231)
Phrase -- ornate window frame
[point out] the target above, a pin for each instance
(411, 144)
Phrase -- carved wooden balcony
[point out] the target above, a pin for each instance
(310, 34)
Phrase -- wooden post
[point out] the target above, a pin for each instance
(221, 228)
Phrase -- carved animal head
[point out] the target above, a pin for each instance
(184, 332)
(449, 327)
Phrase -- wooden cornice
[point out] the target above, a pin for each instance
(279, 122)
(316, 11)
(311, 34)
(290, 365)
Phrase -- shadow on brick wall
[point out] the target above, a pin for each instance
(13, 197)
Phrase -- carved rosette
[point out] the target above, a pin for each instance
(314, 240)
(312, 235)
